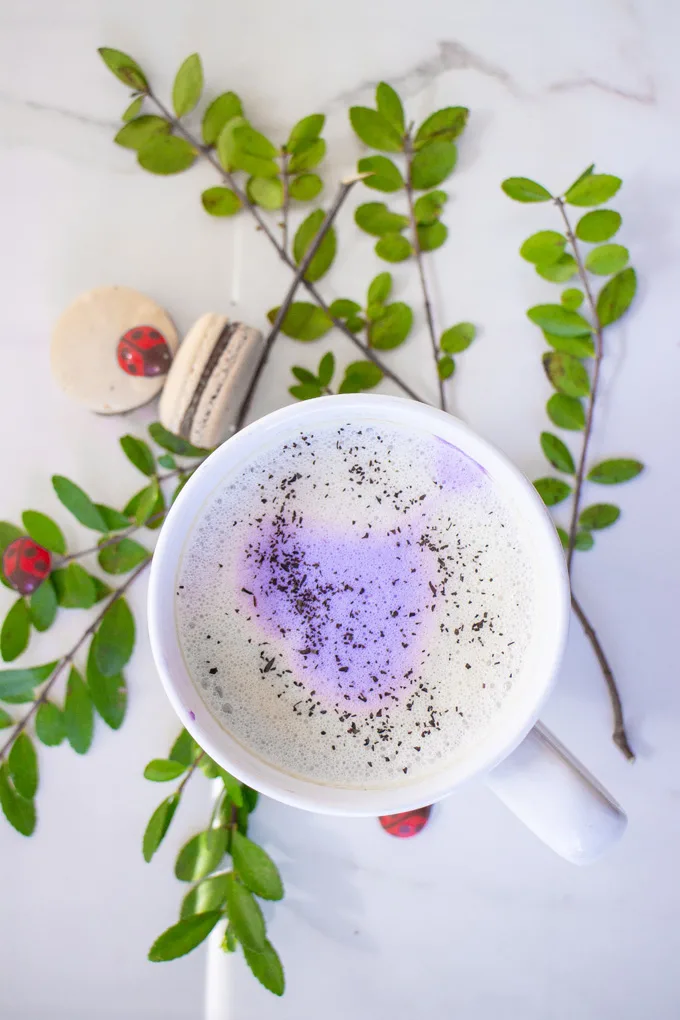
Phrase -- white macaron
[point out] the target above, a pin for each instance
(112, 348)
(209, 379)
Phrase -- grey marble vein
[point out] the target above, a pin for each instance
(72, 115)
(644, 98)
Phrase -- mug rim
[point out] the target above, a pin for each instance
(275, 782)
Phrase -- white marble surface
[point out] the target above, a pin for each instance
(474, 917)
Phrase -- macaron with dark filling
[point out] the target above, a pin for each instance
(209, 379)
(112, 349)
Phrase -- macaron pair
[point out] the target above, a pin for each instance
(112, 349)
(209, 378)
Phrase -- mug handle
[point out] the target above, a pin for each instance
(557, 798)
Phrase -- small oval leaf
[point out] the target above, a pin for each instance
(552, 490)
(613, 472)
(184, 936)
(557, 453)
(599, 516)
(566, 412)
(522, 189)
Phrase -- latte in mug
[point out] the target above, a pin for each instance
(354, 606)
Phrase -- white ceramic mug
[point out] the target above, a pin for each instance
(520, 760)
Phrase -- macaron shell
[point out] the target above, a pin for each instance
(206, 386)
(84, 349)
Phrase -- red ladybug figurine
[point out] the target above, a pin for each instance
(25, 565)
(407, 823)
(143, 350)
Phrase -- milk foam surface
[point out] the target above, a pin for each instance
(354, 607)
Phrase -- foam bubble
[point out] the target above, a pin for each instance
(355, 606)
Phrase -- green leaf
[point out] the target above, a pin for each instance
(173, 443)
(43, 606)
(586, 173)
(158, 825)
(444, 124)
(44, 531)
(543, 248)
(167, 460)
(432, 236)
(166, 154)
(115, 638)
(23, 766)
(210, 894)
(560, 271)
(559, 321)
(572, 298)
(137, 132)
(598, 226)
(566, 412)
(220, 201)
(133, 109)
(74, 587)
(583, 541)
(307, 156)
(390, 106)
(124, 67)
(374, 129)
(201, 855)
(303, 239)
(374, 311)
(355, 324)
(613, 472)
(245, 916)
(122, 556)
(305, 187)
(385, 175)
(255, 868)
(231, 785)
(524, 190)
(8, 532)
(616, 296)
(306, 130)
(446, 366)
(376, 219)
(579, 346)
(552, 490)
(108, 693)
(306, 391)
(265, 191)
(304, 375)
(567, 374)
(78, 714)
(380, 288)
(78, 503)
(139, 506)
(428, 208)
(607, 259)
(19, 812)
(162, 770)
(222, 109)
(188, 85)
(266, 967)
(593, 189)
(22, 681)
(114, 519)
(599, 516)
(433, 164)
(393, 248)
(49, 724)
(184, 936)
(253, 152)
(392, 328)
(6, 719)
(184, 749)
(139, 453)
(557, 453)
(16, 630)
(226, 142)
(342, 308)
(250, 797)
(303, 321)
(457, 338)
(326, 368)
(359, 376)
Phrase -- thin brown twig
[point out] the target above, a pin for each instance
(343, 192)
(286, 201)
(187, 776)
(68, 658)
(417, 251)
(207, 153)
(619, 735)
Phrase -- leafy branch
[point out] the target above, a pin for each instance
(575, 342)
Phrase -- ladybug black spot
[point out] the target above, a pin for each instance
(137, 334)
